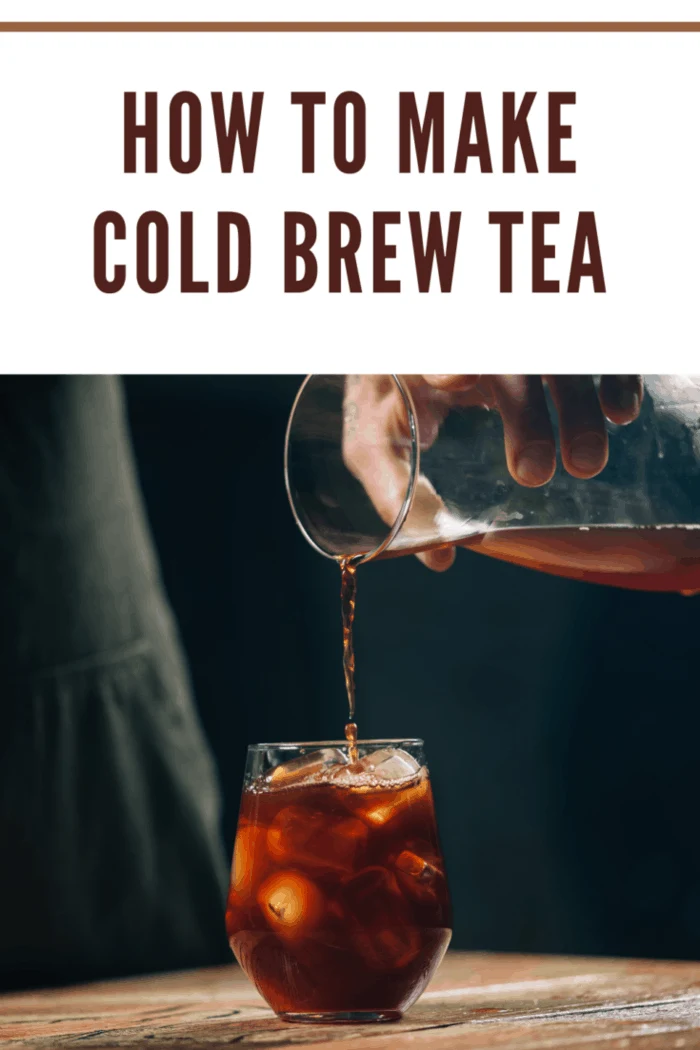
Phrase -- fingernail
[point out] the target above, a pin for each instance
(534, 465)
(629, 401)
(587, 453)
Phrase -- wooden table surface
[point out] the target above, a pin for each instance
(512, 1002)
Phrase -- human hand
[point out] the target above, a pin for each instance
(376, 442)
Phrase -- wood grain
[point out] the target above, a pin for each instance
(476, 1001)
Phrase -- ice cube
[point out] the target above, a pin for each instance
(418, 874)
(379, 919)
(388, 764)
(248, 853)
(376, 808)
(312, 839)
(291, 903)
(306, 767)
(420, 869)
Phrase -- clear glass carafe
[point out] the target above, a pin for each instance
(636, 524)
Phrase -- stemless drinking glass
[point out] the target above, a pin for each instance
(368, 475)
(338, 908)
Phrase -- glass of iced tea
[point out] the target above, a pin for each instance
(338, 909)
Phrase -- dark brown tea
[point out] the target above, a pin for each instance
(652, 558)
(338, 907)
(348, 599)
(338, 902)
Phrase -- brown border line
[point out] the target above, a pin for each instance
(349, 27)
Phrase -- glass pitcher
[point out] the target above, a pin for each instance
(636, 524)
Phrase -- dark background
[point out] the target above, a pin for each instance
(560, 719)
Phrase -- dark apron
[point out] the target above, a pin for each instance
(111, 860)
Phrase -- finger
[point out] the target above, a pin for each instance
(621, 397)
(375, 450)
(438, 560)
(583, 439)
(451, 382)
(447, 392)
(372, 453)
(527, 428)
(430, 408)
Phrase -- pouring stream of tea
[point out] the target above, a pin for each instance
(348, 593)
(654, 558)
